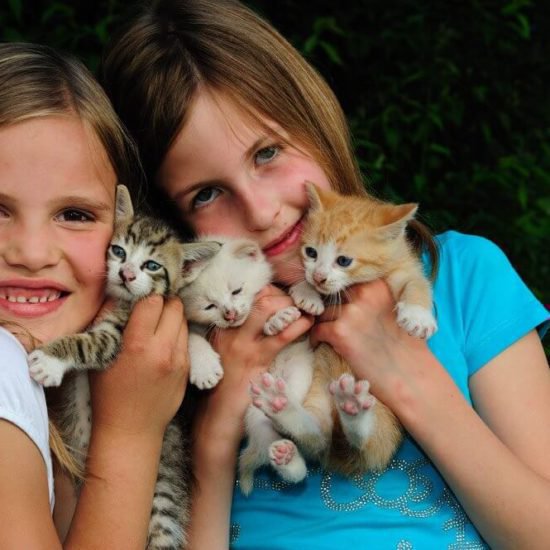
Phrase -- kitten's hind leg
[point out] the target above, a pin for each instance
(172, 499)
(287, 460)
(368, 424)
(270, 395)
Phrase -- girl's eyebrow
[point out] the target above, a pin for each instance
(84, 202)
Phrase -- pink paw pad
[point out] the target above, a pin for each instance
(351, 396)
(282, 452)
(269, 395)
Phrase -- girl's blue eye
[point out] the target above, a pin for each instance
(151, 265)
(205, 196)
(310, 252)
(74, 215)
(344, 261)
(267, 154)
(118, 251)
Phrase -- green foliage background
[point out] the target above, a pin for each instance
(448, 101)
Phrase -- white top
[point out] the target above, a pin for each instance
(22, 400)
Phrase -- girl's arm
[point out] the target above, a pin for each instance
(495, 459)
(218, 428)
(26, 520)
(132, 404)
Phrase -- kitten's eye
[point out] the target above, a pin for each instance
(238, 291)
(205, 196)
(210, 306)
(310, 252)
(118, 251)
(344, 261)
(151, 265)
(267, 154)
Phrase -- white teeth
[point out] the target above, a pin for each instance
(32, 299)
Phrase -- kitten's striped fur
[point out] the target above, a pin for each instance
(145, 257)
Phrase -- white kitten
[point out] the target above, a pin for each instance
(221, 294)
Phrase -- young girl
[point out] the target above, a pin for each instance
(231, 122)
(62, 151)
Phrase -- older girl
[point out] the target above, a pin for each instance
(62, 152)
(231, 121)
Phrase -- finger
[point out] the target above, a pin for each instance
(171, 320)
(263, 309)
(180, 356)
(145, 316)
(332, 313)
(270, 290)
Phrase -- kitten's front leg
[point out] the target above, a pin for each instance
(94, 349)
(413, 295)
(206, 369)
(280, 320)
(307, 298)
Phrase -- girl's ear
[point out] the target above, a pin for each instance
(196, 256)
(124, 210)
(394, 219)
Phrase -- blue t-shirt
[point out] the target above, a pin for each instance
(482, 307)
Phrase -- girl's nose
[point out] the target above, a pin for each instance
(261, 207)
(32, 248)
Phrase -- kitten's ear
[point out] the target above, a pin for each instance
(124, 210)
(394, 219)
(319, 199)
(248, 249)
(196, 257)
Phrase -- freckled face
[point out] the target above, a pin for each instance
(234, 179)
(57, 193)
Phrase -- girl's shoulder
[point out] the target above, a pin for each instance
(9, 344)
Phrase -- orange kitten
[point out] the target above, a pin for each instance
(348, 240)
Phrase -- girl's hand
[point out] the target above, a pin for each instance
(245, 353)
(365, 333)
(142, 390)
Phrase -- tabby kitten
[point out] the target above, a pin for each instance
(144, 257)
(349, 240)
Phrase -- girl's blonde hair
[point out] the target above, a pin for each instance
(36, 81)
(172, 48)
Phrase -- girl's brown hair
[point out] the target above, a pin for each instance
(37, 81)
(172, 48)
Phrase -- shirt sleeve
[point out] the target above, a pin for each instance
(496, 307)
(22, 400)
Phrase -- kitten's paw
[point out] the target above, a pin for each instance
(416, 320)
(206, 372)
(280, 320)
(307, 298)
(287, 461)
(351, 397)
(46, 369)
(269, 394)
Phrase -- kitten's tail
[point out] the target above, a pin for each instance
(248, 462)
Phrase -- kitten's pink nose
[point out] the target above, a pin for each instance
(127, 274)
(319, 278)
(229, 314)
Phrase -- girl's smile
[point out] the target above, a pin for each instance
(234, 178)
